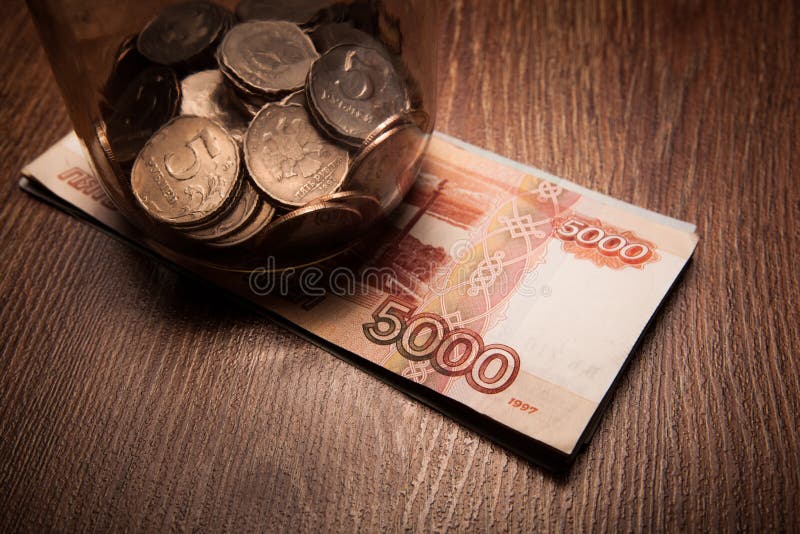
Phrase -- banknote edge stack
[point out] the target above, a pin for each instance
(35, 182)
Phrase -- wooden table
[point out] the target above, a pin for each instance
(130, 401)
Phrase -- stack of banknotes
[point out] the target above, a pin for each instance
(503, 296)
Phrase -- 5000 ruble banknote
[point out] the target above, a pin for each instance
(501, 295)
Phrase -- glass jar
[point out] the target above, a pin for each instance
(305, 175)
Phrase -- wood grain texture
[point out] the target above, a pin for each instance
(131, 400)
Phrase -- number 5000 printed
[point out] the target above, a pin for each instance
(452, 352)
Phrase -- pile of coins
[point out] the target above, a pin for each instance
(283, 124)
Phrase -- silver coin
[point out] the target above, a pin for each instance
(187, 173)
(267, 57)
(205, 95)
(353, 89)
(289, 160)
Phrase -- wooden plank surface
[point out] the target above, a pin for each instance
(131, 400)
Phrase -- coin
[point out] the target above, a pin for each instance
(237, 217)
(146, 104)
(330, 35)
(250, 231)
(267, 57)
(389, 165)
(354, 89)
(187, 173)
(298, 11)
(184, 33)
(288, 159)
(204, 95)
(317, 229)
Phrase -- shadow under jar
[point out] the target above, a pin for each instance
(231, 132)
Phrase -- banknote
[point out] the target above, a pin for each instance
(503, 296)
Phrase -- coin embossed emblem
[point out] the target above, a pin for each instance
(289, 160)
(187, 172)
